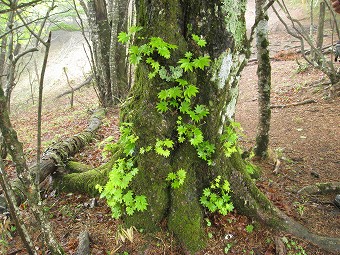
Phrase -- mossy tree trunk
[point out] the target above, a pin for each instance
(223, 27)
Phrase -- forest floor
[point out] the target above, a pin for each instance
(304, 138)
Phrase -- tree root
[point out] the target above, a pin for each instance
(84, 244)
(330, 244)
(309, 101)
(321, 188)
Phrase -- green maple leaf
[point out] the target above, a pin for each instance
(99, 188)
(226, 186)
(164, 52)
(141, 203)
(190, 91)
(229, 207)
(163, 94)
(168, 143)
(128, 198)
(162, 106)
(175, 92)
(186, 64)
(181, 139)
(171, 176)
(181, 130)
(135, 59)
(129, 210)
(188, 55)
(123, 37)
(200, 42)
(135, 29)
(194, 116)
(201, 62)
(185, 107)
(201, 111)
(155, 65)
(182, 82)
(181, 173)
(157, 42)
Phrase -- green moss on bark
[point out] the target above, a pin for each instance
(86, 181)
(77, 167)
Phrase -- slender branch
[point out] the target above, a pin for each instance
(20, 6)
(84, 83)
(17, 57)
(258, 19)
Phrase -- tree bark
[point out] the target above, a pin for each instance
(118, 18)
(100, 37)
(264, 81)
(175, 22)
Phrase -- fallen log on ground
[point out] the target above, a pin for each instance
(59, 153)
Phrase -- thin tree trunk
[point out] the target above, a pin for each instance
(15, 212)
(320, 35)
(264, 81)
(118, 60)
(100, 36)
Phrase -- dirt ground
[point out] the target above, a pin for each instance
(304, 138)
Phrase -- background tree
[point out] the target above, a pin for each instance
(264, 79)
(109, 63)
(317, 59)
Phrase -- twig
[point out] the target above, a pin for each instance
(277, 166)
(84, 83)
(69, 84)
(308, 101)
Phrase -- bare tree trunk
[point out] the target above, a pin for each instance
(320, 35)
(101, 37)
(14, 211)
(10, 67)
(264, 80)
(118, 59)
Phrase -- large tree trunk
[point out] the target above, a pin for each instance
(175, 21)
(106, 21)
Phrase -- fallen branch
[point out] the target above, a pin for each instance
(84, 83)
(308, 101)
(57, 154)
